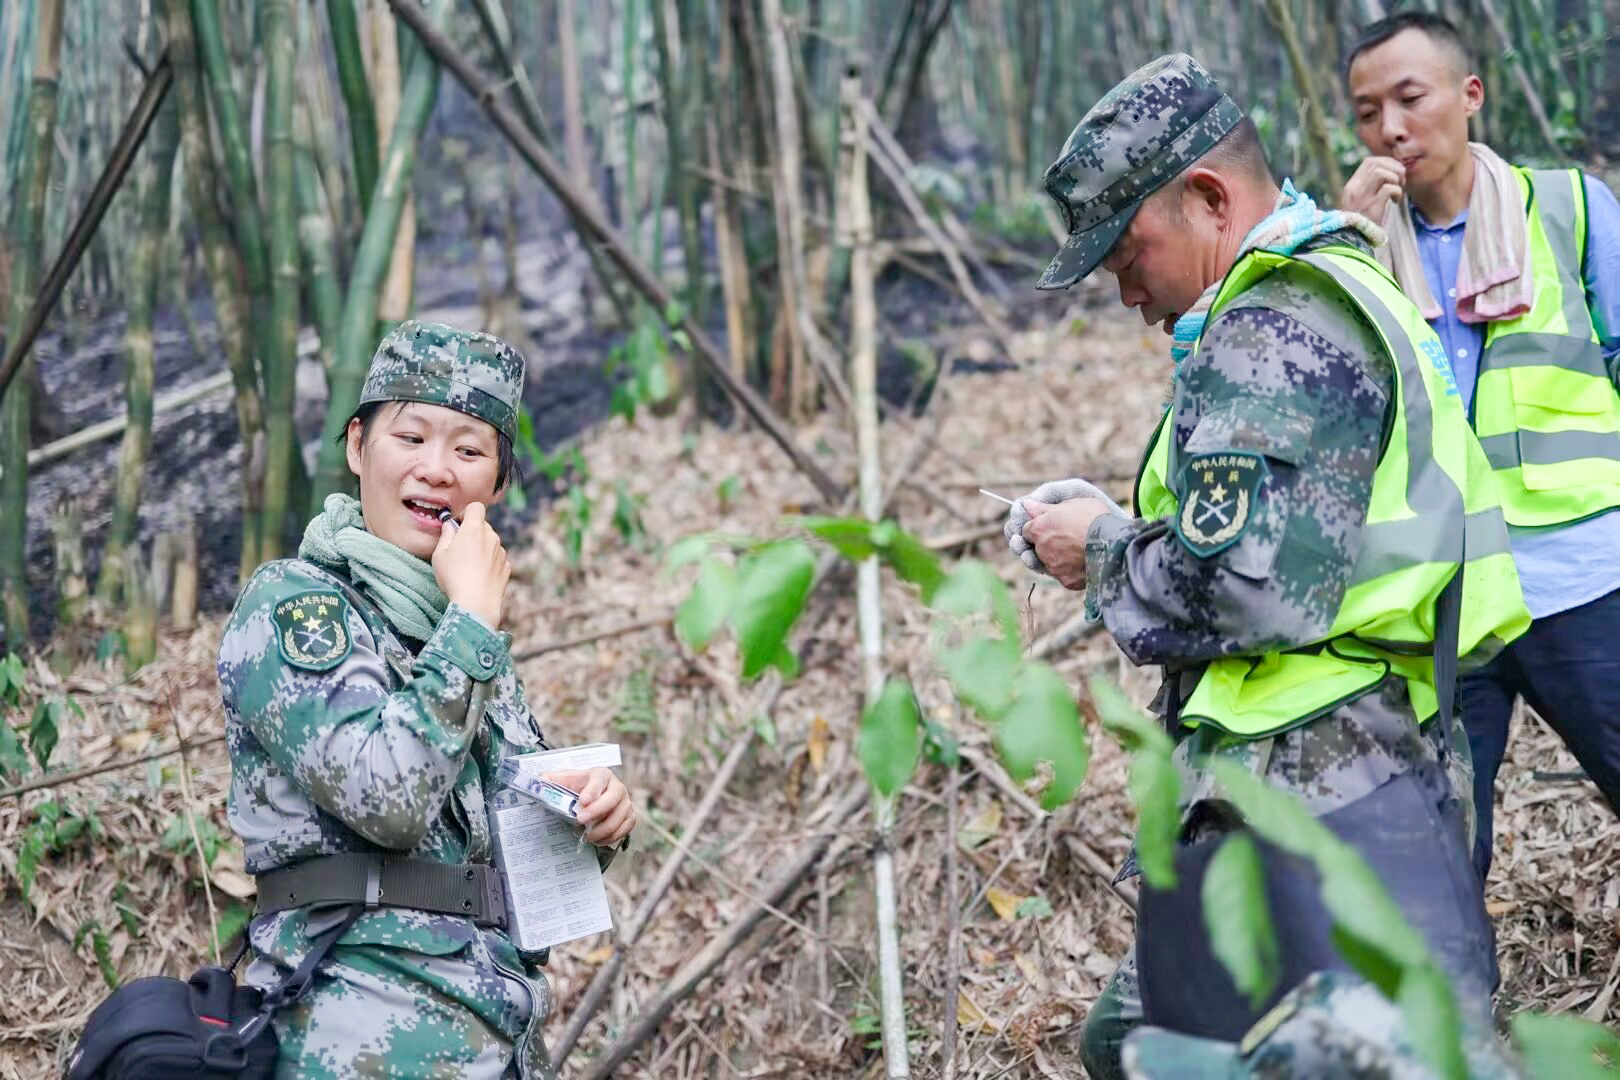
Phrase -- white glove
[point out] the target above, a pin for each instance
(1053, 491)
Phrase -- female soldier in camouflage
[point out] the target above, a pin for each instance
(369, 698)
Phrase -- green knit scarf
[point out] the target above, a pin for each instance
(399, 583)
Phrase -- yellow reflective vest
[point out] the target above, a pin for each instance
(1545, 406)
(1433, 508)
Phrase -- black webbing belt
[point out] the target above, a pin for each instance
(387, 880)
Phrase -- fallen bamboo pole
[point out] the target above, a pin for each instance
(50, 781)
(585, 210)
(653, 1012)
(73, 248)
(953, 257)
(602, 981)
(106, 429)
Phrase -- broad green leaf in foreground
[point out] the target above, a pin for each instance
(1566, 1047)
(704, 611)
(856, 538)
(1043, 724)
(972, 588)
(1429, 1014)
(982, 670)
(1238, 918)
(887, 743)
(1373, 934)
(772, 585)
(1154, 786)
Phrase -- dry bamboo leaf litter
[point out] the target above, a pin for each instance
(1089, 386)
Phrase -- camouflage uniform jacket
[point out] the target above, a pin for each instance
(391, 749)
(1290, 369)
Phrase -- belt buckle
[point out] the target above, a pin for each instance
(494, 897)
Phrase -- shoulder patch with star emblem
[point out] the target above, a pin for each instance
(1217, 503)
(312, 630)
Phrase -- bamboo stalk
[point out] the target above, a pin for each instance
(804, 341)
(728, 240)
(67, 544)
(500, 36)
(223, 276)
(573, 109)
(315, 238)
(281, 360)
(119, 161)
(238, 161)
(613, 245)
(387, 62)
(357, 332)
(680, 178)
(27, 218)
(1315, 116)
(356, 96)
(1526, 87)
(869, 611)
(145, 269)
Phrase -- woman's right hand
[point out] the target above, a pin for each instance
(472, 567)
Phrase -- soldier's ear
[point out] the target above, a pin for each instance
(1208, 192)
(355, 432)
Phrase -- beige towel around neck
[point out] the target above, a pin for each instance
(1494, 280)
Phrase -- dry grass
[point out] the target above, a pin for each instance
(793, 1000)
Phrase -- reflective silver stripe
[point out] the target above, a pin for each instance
(1485, 533)
(1546, 350)
(1436, 534)
(1515, 448)
(1554, 199)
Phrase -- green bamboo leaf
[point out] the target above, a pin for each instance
(772, 586)
(688, 549)
(1155, 790)
(1429, 1014)
(1133, 728)
(887, 743)
(1351, 891)
(911, 559)
(704, 611)
(42, 731)
(850, 537)
(232, 921)
(981, 671)
(1566, 1047)
(13, 758)
(972, 588)
(1043, 725)
(1238, 918)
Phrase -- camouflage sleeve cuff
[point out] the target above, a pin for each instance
(1106, 541)
(465, 641)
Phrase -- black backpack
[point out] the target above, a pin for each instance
(158, 1028)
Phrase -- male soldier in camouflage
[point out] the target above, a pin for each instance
(1301, 513)
(370, 697)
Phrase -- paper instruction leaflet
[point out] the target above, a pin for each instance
(554, 889)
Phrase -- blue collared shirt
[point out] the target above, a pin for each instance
(1560, 566)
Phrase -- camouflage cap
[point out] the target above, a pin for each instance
(1334, 1024)
(1160, 119)
(477, 373)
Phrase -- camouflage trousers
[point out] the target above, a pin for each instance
(1328, 763)
(375, 1011)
